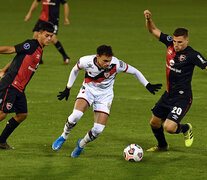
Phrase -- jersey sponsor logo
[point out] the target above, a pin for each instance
(9, 106)
(182, 57)
(31, 69)
(173, 69)
(201, 59)
(26, 46)
(169, 52)
(169, 38)
(38, 56)
(49, 3)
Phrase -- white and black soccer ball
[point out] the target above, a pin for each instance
(133, 153)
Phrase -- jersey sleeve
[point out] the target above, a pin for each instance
(63, 1)
(27, 47)
(81, 64)
(166, 39)
(199, 60)
(121, 66)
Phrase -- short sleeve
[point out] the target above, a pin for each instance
(63, 1)
(199, 60)
(166, 39)
(25, 48)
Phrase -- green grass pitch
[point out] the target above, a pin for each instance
(120, 24)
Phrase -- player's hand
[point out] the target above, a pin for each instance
(67, 22)
(153, 87)
(2, 73)
(147, 14)
(64, 94)
(27, 17)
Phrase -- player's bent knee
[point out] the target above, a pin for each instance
(155, 124)
(20, 117)
(75, 116)
(2, 115)
(169, 129)
(97, 129)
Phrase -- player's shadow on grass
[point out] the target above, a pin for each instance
(44, 149)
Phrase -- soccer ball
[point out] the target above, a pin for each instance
(133, 153)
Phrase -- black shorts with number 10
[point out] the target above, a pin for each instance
(173, 108)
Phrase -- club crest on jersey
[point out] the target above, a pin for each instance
(26, 46)
(9, 106)
(172, 62)
(106, 74)
(182, 57)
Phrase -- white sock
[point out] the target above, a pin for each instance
(72, 120)
(66, 131)
(84, 141)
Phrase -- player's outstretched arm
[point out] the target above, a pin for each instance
(73, 75)
(32, 8)
(4, 70)
(150, 25)
(7, 49)
(152, 88)
(66, 14)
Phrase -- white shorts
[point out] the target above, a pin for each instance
(101, 101)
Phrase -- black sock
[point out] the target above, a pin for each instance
(184, 128)
(10, 127)
(159, 134)
(60, 48)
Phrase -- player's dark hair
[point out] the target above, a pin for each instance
(105, 50)
(181, 32)
(46, 26)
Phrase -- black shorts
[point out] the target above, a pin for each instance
(36, 27)
(12, 100)
(173, 108)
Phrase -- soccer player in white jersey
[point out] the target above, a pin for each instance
(97, 89)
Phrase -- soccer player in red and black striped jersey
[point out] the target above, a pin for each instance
(16, 75)
(50, 12)
(177, 99)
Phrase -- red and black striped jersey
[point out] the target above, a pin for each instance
(180, 66)
(50, 10)
(23, 65)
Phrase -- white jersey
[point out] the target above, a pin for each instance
(99, 79)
